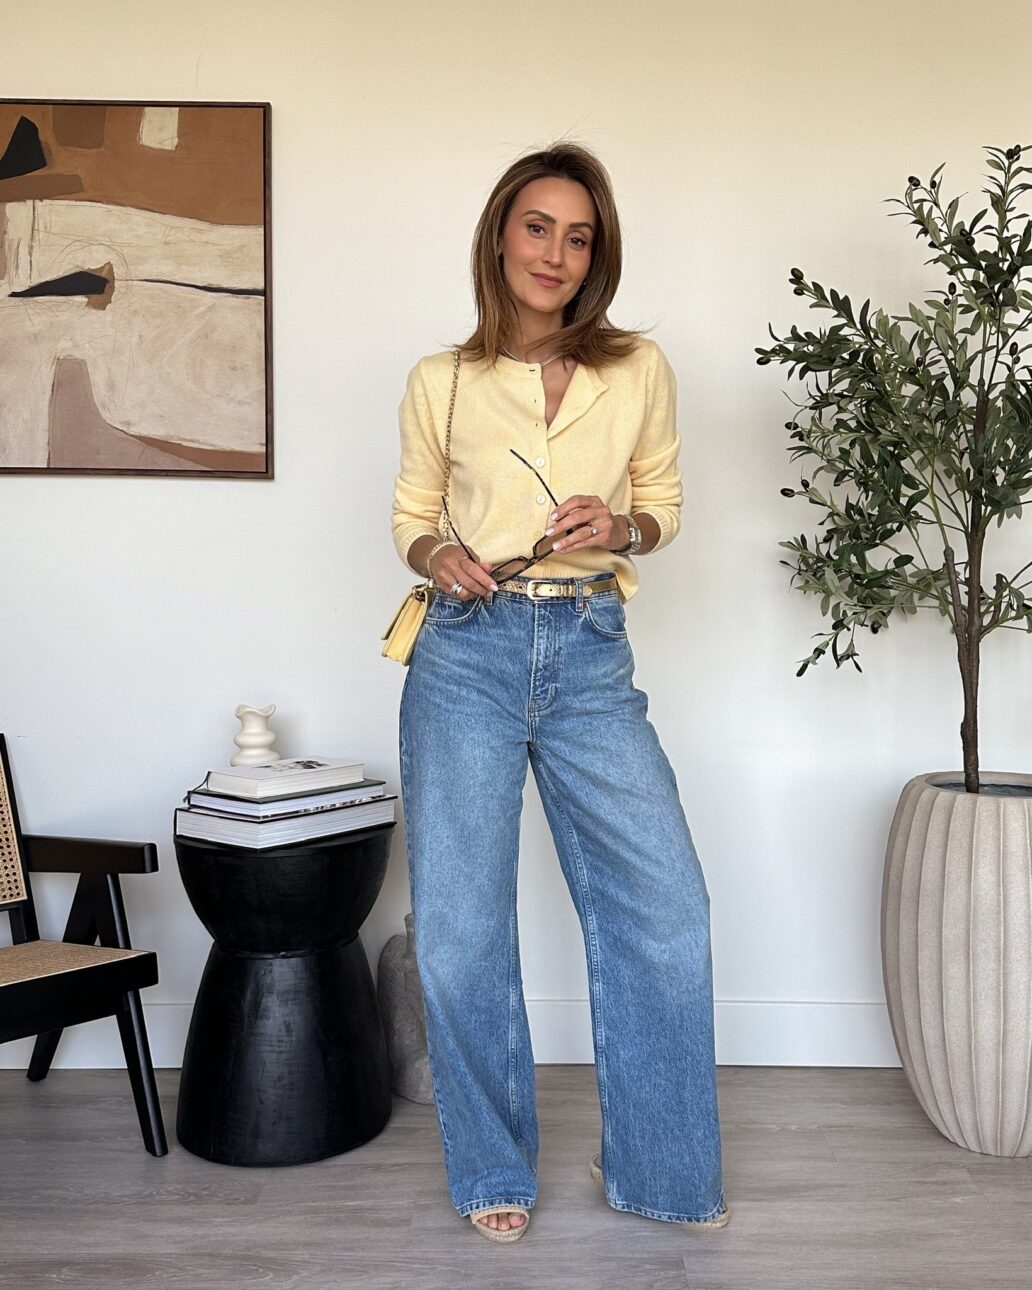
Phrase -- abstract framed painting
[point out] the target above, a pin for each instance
(135, 288)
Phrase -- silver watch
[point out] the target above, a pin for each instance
(634, 545)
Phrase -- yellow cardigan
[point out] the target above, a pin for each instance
(614, 435)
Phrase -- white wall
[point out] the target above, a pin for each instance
(743, 138)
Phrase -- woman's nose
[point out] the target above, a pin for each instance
(555, 253)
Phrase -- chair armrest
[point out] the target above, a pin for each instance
(88, 855)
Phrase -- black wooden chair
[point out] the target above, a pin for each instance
(47, 985)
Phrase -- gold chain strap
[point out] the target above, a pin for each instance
(447, 440)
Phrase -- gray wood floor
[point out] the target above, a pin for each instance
(834, 1179)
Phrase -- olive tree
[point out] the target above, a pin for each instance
(915, 435)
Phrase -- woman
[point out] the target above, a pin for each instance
(524, 656)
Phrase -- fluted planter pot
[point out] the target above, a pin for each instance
(957, 955)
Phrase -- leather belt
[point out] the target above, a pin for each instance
(551, 589)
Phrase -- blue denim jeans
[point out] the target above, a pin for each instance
(495, 681)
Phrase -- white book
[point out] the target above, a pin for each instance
(288, 775)
(227, 804)
(282, 832)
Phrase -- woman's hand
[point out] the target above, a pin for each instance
(451, 564)
(578, 514)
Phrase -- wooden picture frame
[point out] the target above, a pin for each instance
(135, 288)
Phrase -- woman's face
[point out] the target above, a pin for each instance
(548, 235)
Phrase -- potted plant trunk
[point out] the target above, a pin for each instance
(921, 426)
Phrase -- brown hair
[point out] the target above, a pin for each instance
(586, 333)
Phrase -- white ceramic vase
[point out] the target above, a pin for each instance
(957, 955)
(254, 740)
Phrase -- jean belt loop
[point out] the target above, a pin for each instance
(580, 596)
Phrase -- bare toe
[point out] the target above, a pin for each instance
(503, 1220)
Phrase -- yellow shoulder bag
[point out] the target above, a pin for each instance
(404, 627)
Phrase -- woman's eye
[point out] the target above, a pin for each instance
(581, 241)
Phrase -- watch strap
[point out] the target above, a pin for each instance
(634, 544)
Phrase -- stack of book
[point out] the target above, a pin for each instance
(279, 802)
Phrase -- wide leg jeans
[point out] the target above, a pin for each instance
(496, 682)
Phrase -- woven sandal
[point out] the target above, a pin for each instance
(720, 1221)
(493, 1233)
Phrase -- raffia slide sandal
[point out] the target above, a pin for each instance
(493, 1233)
(720, 1221)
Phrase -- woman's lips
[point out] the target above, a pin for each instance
(545, 282)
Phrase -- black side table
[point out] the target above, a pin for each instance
(286, 1059)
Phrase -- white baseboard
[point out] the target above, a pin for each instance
(753, 1032)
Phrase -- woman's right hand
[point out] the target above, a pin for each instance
(451, 565)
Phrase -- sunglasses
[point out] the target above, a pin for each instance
(516, 565)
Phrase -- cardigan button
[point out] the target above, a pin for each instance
(539, 461)
(541, 498)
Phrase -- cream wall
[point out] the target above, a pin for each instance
(743, 139)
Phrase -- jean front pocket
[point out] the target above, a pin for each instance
(605, 612)
(445, 608)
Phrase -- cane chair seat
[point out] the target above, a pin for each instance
(37, 959)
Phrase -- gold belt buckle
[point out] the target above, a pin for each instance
(552, 588)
